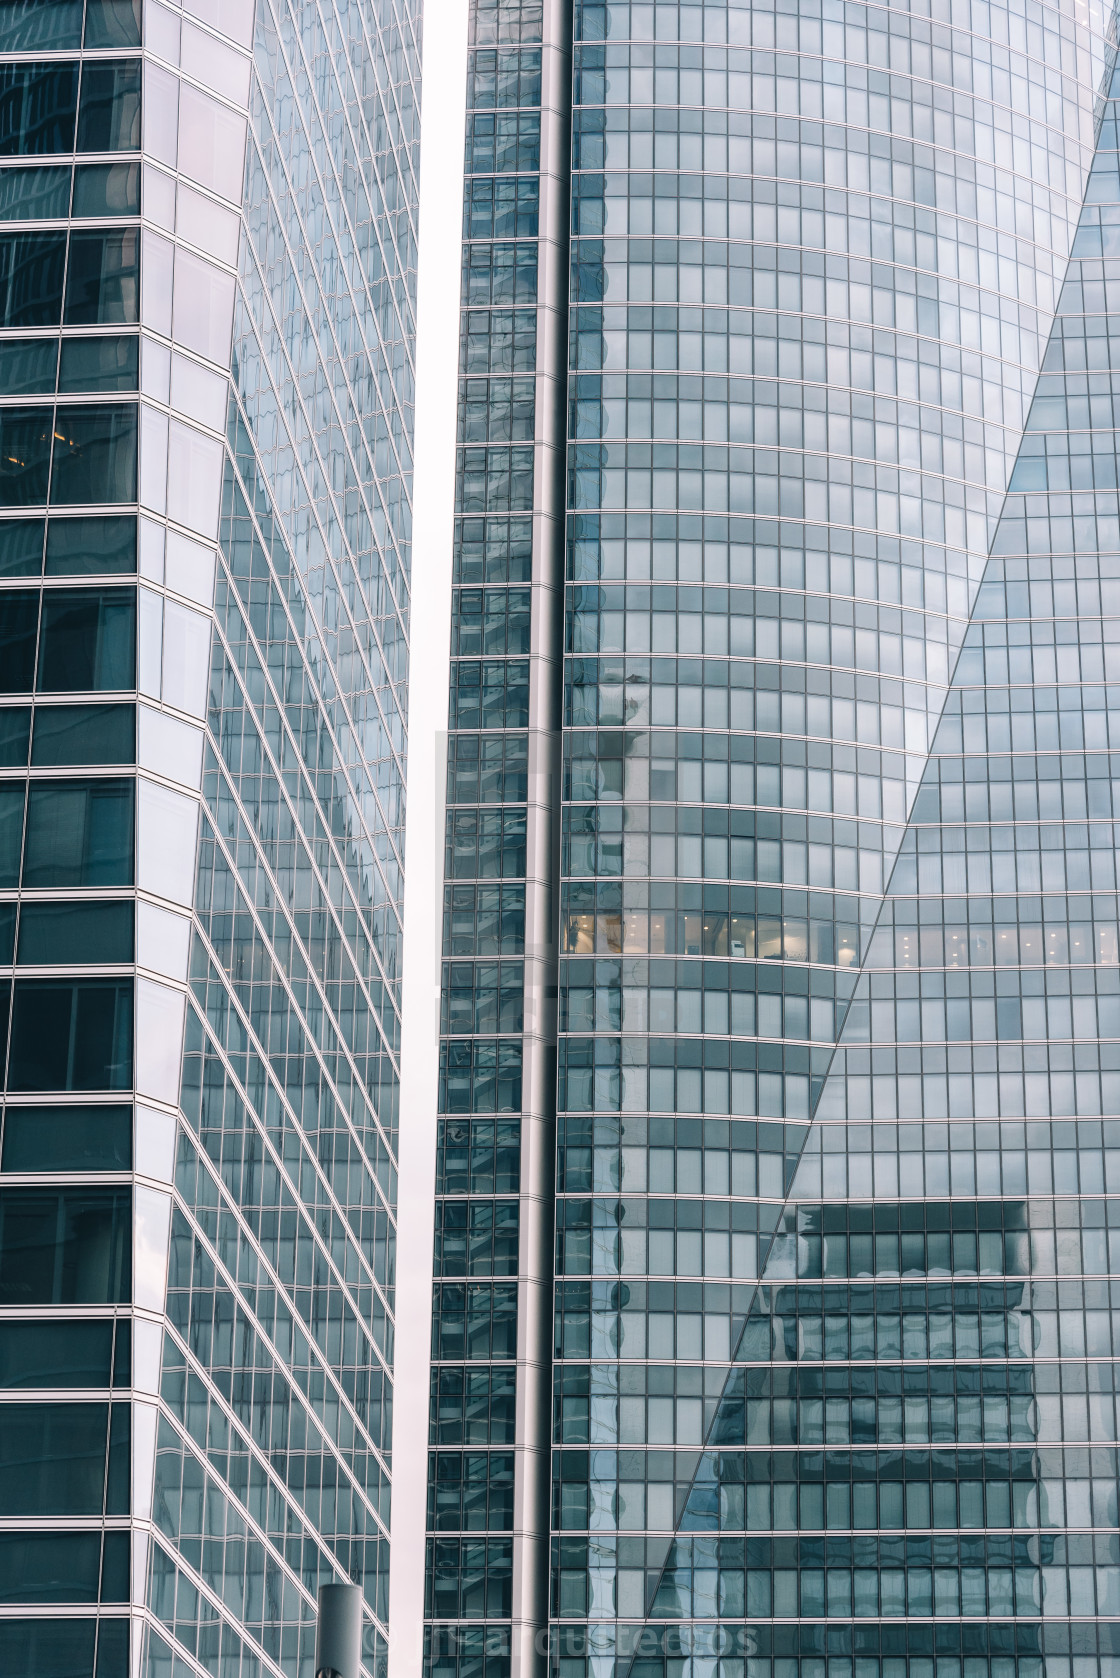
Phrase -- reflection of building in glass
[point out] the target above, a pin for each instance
(207, 253)
(779, 1067)
(838, 1111)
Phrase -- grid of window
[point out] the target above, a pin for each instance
(475, 1331)
(255, 1242)
(272, 1457)
(995, 1095)
(796, 1405)
(69, 377)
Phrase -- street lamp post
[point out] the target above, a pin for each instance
(338, 1634)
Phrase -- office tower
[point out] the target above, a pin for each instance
(208, 261)
(836, 1098)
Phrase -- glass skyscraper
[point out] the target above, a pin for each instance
(773, 1331)
(777, 1186)
(207, 288)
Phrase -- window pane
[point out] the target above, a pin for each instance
(114, 1568)
(28, 366)
(25, 444)
(113, 23)
(51, 1648)
(15, 727)
(106, 189)
(67, 1139)
(77, 547)
(74, 934)
(110, 111)
(65, 1246)
(118, 1479)
(31, 270)
(79, 833)
(71, 1036)
(41, 194)
(79, 734)
(52, 1459)
(19, 615)
(21, 547)
(88, 640)
(49, 1567)
(122, 1354)
(11, 831)
(103, 280)
(26, 25)
(94, 455)
(37, 105)
(97, 364)
(55, 1354)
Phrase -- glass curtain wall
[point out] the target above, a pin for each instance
(207, 244)
(70, 133)
(816, 258)
(832, 1374)
(943, 1270)
(488, 1463)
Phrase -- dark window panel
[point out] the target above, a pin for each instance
(470, 1578)
(494, 550)
(25, 450)
(52, 1459)
(12, 795)
(37, 106)
(30, 25)
(480, 1077)
(476, 1238)
(478, 1156)
(473, 1406)
(112, 1648)
(470, 1491)
(79, 833)
(106, 189)
(94, 455)
(65, 1247)
(21, 547)
(19, 628)
(103, 279)
(79, 547)
(68, 735)
(71, 1035)
(31, 273)
(113, 23)
(99, 364)
(115, 1568)
(122, 1353)
(67, 1139)
(55, 1353)
(35, 194)
(88, 640)
(118, 1478)
(109, 115)
(28, 366)
(50, 1647)
(7, 932)
(49, 1566)
(78, 934)
(15, 729)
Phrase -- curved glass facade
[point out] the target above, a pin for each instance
(206, 362)
(779, 1061)
(802, 385)
(832, 1350)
